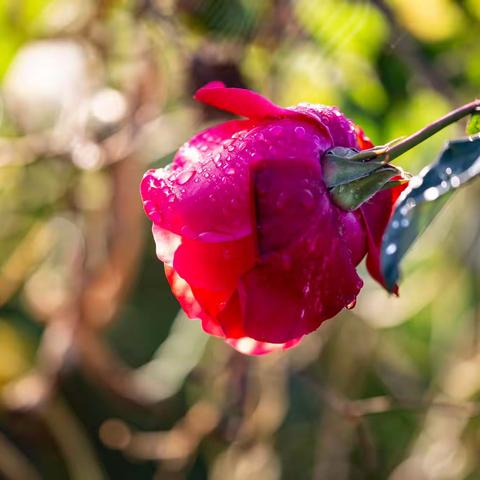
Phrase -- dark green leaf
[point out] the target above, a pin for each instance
(421, 201)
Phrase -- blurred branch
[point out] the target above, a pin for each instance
(13, 463)
(73, 442)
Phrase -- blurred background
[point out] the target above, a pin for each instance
(100, 376)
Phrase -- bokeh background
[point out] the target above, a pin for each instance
(100, 376)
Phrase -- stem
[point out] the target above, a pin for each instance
(391, 151)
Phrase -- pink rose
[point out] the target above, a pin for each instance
(252, 243)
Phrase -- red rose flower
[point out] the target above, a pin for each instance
(252, 242)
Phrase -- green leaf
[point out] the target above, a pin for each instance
(353, 182)
(473, 125)
(422, 200)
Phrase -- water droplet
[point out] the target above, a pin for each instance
(391, 249)
(230, 148)
(351, 304)
(307, 199)
(277, 130)
(185, 177)
(216, 160)
(230, 171)
(431, 194)
(444, 184)
(306, 289)
(395, 224)
(455, 182)
(448, 171)
(405, 222)
(299, 132)
(416, 182)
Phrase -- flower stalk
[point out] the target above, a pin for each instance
(392, 150)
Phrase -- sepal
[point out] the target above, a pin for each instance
(352, 182)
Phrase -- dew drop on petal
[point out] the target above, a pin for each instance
(276, 130)
(230, 171)
(185, 177)
(299, 132)
(351, 304)
(307, 199)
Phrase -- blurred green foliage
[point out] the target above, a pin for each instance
(99, 377)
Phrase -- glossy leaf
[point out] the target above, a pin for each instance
(422, 200)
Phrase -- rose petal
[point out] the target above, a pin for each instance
(182, 291)
(288, 193)
(376, 214)
(293, 290)
(239, 101)
(206, 192)
(341, 129)
(166, 243)
(215, 266)
(248, 346)
(192, 308)
(364, 142)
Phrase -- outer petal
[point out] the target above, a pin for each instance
(206, 191)
(250, 104)
(239, 101)
(182, 291)
(294, 288)
(375, 215)
(342, 130)
(364, 142)
(213, 269)
(249, 346)
(193, 309)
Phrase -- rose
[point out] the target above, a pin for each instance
(252, 242)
